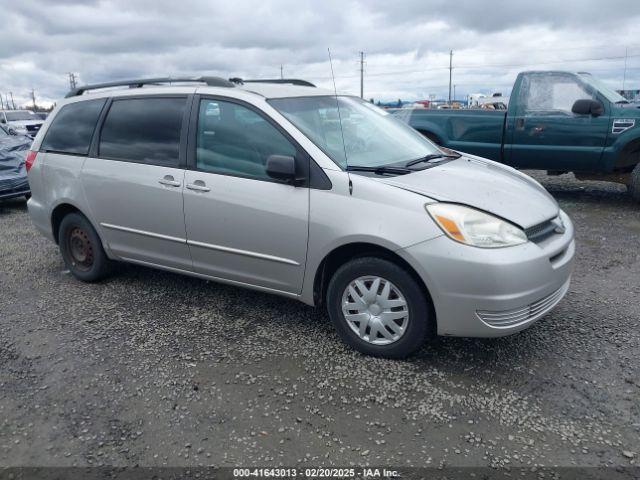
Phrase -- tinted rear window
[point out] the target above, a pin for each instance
(72, 128)
(143, 130)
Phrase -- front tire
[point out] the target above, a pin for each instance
(81, 249)
(378, 308)
(634, 184)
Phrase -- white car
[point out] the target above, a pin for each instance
(24, 122)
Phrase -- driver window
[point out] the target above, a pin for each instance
(551, 94)
(235, 140)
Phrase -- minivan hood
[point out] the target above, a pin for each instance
(484, 185)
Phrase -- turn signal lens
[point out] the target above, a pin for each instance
(30, 159)
(474, 227)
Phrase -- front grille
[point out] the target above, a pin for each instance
(543, 230)
(528, 313)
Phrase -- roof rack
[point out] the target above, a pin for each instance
(290, 81)
(210, 81)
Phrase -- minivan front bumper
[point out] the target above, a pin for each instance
(480, 292)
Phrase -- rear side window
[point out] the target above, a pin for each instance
(144, 130)
(72, 128)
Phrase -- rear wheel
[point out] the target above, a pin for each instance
(378, 308)
(634, 184)
(81, 249)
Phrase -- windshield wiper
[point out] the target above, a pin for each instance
(379, 170)
(428, 158)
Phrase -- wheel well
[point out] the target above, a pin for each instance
(343, 254)
(431, 136)
(629, 155)
(58, 214)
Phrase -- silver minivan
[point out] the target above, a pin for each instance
(294, 190)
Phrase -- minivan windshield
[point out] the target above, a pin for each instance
(369, 137)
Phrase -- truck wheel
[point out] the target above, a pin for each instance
(634, 184)
(378, 308)
(82, 250)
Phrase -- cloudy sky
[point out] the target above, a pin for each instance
(406, 43)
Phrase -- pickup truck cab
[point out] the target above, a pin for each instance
(556, 121)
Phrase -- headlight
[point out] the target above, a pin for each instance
(473, 227)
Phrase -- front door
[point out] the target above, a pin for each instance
(543, 133)
(242, 225)
(134, 182)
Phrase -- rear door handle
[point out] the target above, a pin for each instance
(198, 186)
(169, 181)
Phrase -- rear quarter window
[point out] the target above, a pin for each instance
(72, 128)
(143, 130)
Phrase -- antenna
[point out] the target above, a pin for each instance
(335, 91)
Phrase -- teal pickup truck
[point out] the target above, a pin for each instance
(556, 121)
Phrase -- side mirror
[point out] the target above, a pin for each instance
(588, 107)
(281, 167)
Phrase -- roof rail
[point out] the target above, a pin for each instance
(210, 81)
(290, 81)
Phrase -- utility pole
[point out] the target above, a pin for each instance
(624, 77)
(361, 74)
(33, 97)
(281, 71)
(454, 92)
(450, 73)
(12, 101)
(72, 80)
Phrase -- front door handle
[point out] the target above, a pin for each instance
(198, 186)
(169, 181)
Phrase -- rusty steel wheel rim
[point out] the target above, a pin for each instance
(80, 249)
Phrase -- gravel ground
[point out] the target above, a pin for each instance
(151, 368)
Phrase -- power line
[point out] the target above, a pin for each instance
(563, 49)
(475, 66)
